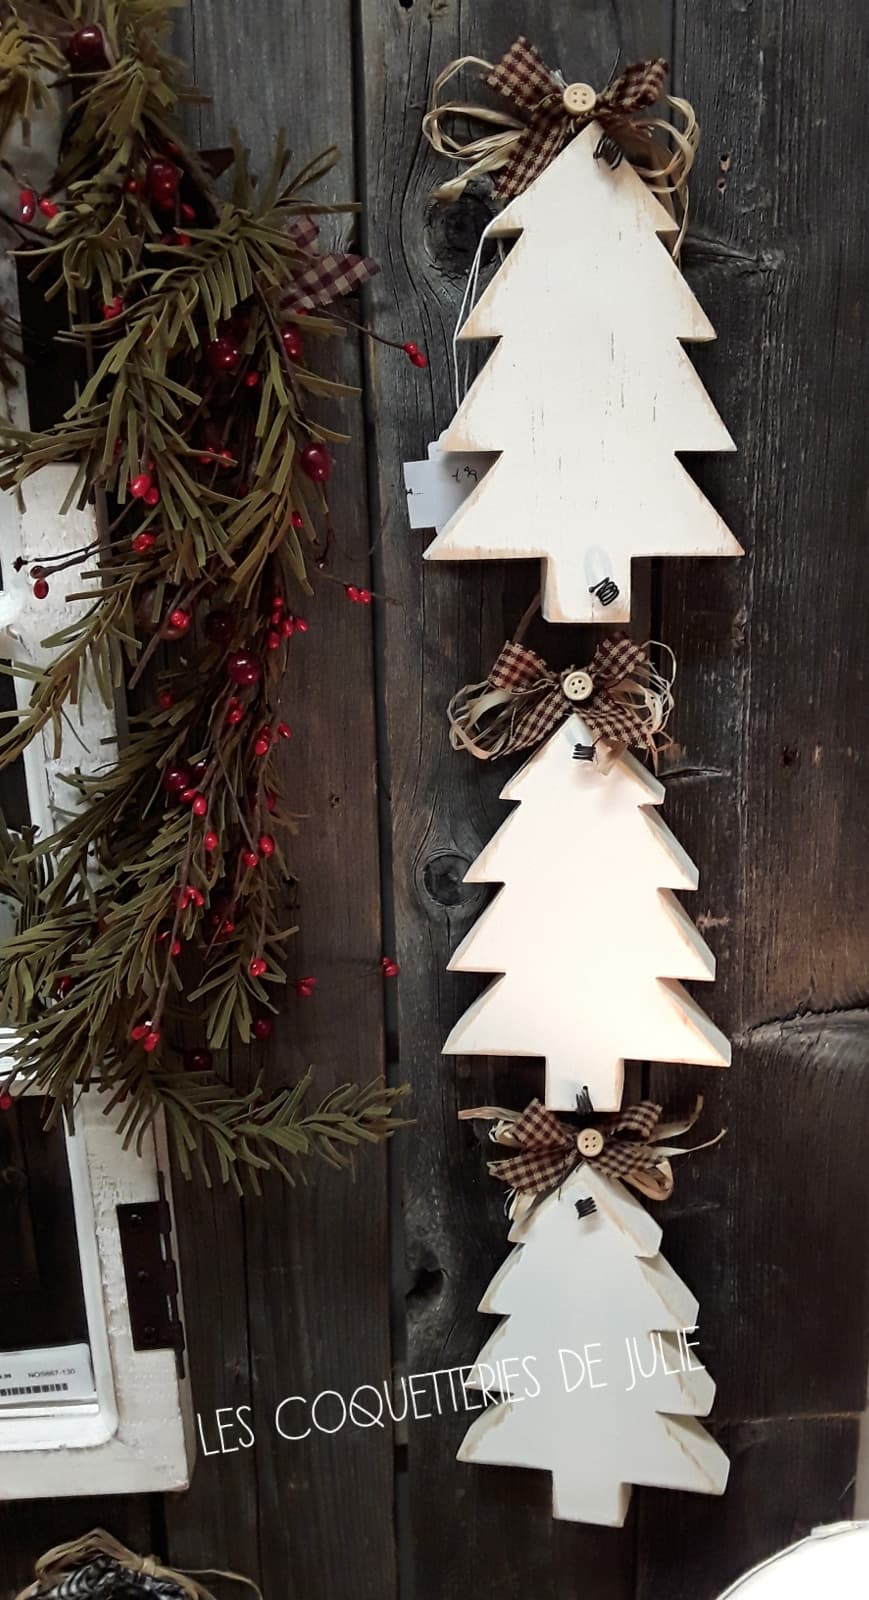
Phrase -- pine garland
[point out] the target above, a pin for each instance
(191, 437)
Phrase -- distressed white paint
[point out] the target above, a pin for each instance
(136, 1435)
(591, 1287)
(588, 394)
(586, 931)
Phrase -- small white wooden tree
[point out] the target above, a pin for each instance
(589, 1306)
(586, 931)
(588, 394)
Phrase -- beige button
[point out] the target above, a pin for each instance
(579, 99)
(577, 685)
(589, 1142)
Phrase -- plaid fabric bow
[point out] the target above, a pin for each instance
(523, 78)
(326, 277)
(545, 1150)
(523, 700)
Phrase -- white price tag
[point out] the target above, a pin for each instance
(46, 1377)
(437, 487)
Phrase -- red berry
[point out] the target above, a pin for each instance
(113, 309)
(151, 496)
(262, 745)
(288, 627)
(165, 699)
(297, 519)
(63, 985)
(258, 966)
(196, 895)
(291, 339)
(210, 840)
(315, 461)
(179, 621)
(188, 212)
(301, 624)
(365, 597)
(234, 715)
(410, 349)
(390, 967)
(132, 186)
(284, 731)
(40, 589)
(419, 360)
(249, 859)
(151, 1040)
(197, 1060)
(162, 179)
(139, 1031)
(188, 795)
(144, 541)
(200, 805)
(273, 639)
(175, 779)
(140, 485)
(305, 987)
(27, 205)
(48, 208)
(6, 1101)
(351, 591)
(252, 380)
(176, 947)
(225, 458)
(244, 668)
(271, 800)
(86, 49)
(223, 354)
(182, 240)
(263, 1027)
(266, 844)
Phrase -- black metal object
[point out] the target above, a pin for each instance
(151, 1276)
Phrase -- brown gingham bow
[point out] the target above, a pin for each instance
(522, 701)
(322, 278)
(523, 78)
(631, 1145)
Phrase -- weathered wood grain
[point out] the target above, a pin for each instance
(290, 1294)
(446, 624)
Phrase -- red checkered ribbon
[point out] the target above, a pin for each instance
(323, 278)
(522, 77)
(619, 695)
(631, 1145)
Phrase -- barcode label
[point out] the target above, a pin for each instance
(36, 1388)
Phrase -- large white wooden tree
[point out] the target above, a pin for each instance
(588, 1305)
(588, 395)
(586, 931)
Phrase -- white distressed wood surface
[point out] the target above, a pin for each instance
(588, 393)
(586, 931)
(598, 1282)
(833, 1560)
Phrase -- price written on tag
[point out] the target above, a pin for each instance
(46, 1377)
(437, 487)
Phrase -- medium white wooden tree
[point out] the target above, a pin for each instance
(588, 394)
(588, 1306)
(586, 931)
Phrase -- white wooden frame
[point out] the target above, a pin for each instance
(136, 1435)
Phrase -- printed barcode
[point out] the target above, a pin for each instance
(36, 1388)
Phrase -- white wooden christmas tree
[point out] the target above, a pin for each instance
(586, 931)
(588, 395)
(597, 1290)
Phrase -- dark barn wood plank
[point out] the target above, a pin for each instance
(290, 1294)
(771, 1230)
(445, 625)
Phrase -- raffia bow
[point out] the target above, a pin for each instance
(523, 145)
(81, 1568)
(522, 701)
(636, 1147)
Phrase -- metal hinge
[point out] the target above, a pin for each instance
(151, 1275)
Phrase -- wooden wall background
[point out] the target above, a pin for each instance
(333, 1285)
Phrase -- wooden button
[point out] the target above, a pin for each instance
(589, 1142)
(579, 99)
(577, 685)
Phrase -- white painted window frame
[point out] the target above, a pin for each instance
(136, 1435)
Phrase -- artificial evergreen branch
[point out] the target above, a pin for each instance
(193, 328)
